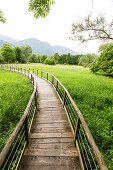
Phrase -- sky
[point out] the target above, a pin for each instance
(56, 27)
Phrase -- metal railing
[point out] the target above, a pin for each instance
(89, 154)
(14, 148)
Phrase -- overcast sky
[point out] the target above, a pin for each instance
(56, 27)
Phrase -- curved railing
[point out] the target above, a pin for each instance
(14, 148)
(89, 154)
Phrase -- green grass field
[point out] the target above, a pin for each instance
(15, 92)
(93, 94)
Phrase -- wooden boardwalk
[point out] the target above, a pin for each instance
(50, 140)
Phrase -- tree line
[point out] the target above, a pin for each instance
(23, 54)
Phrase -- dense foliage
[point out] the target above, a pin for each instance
(86, 60)
(23, 54)
(15, 92)
(104, 63)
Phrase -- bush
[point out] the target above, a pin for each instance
(50, 61)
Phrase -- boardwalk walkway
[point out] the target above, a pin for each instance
(50, 140)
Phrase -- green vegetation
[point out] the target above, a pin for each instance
(104, 63)
(23, 54)
(15, 92)
(93, 94)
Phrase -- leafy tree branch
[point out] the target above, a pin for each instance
(90, 29)
(40, 8)
(2, 19)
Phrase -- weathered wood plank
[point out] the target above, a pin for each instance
(50, 135)
(51, 146)
(51, 152)
(48, 161)
(37, 129)
(52, 125)
(33, 167)
(50, 140)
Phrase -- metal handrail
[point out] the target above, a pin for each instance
(23, 121)
(81, 120)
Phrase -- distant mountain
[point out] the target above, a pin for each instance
(37, 46)
(7, 39)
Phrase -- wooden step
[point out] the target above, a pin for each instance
(48, 161)
(50, 140)
(33, 167)
(51, 135)
(51, 146)
(51, 152)
(37, 129)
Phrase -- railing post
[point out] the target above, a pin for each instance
(47, 76)
(76, 129)
(52, 79)
(21, 70)
(10, 68)
(36, 98)
(64, 99)
(57, 85)
(41, 73)
(25, 71)
(26, 130)
(37, 72)
(33, 80)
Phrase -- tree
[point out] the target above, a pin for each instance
(8, 53)
(104, 63)
(26, 52)
(43, 58)
(2, 19)
(40, 8)
(90, 29)
(103, 47)
(86, 60)
(1, 58)
(35, 58)
(18, 54)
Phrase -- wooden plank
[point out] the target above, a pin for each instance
(52, 125)
(50, 135)
(37, 129)
(50, 140)
(48, 161)
(55, 119)
(33, 167)
(50, 120)
(51, 146)
(51, 152)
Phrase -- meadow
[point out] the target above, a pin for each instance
(15, 92)
(93, 94)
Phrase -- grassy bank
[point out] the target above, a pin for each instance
(93, 94)
(15, 92)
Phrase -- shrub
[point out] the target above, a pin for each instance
(50, 61)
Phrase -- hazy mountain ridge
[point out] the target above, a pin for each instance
(37, 46)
